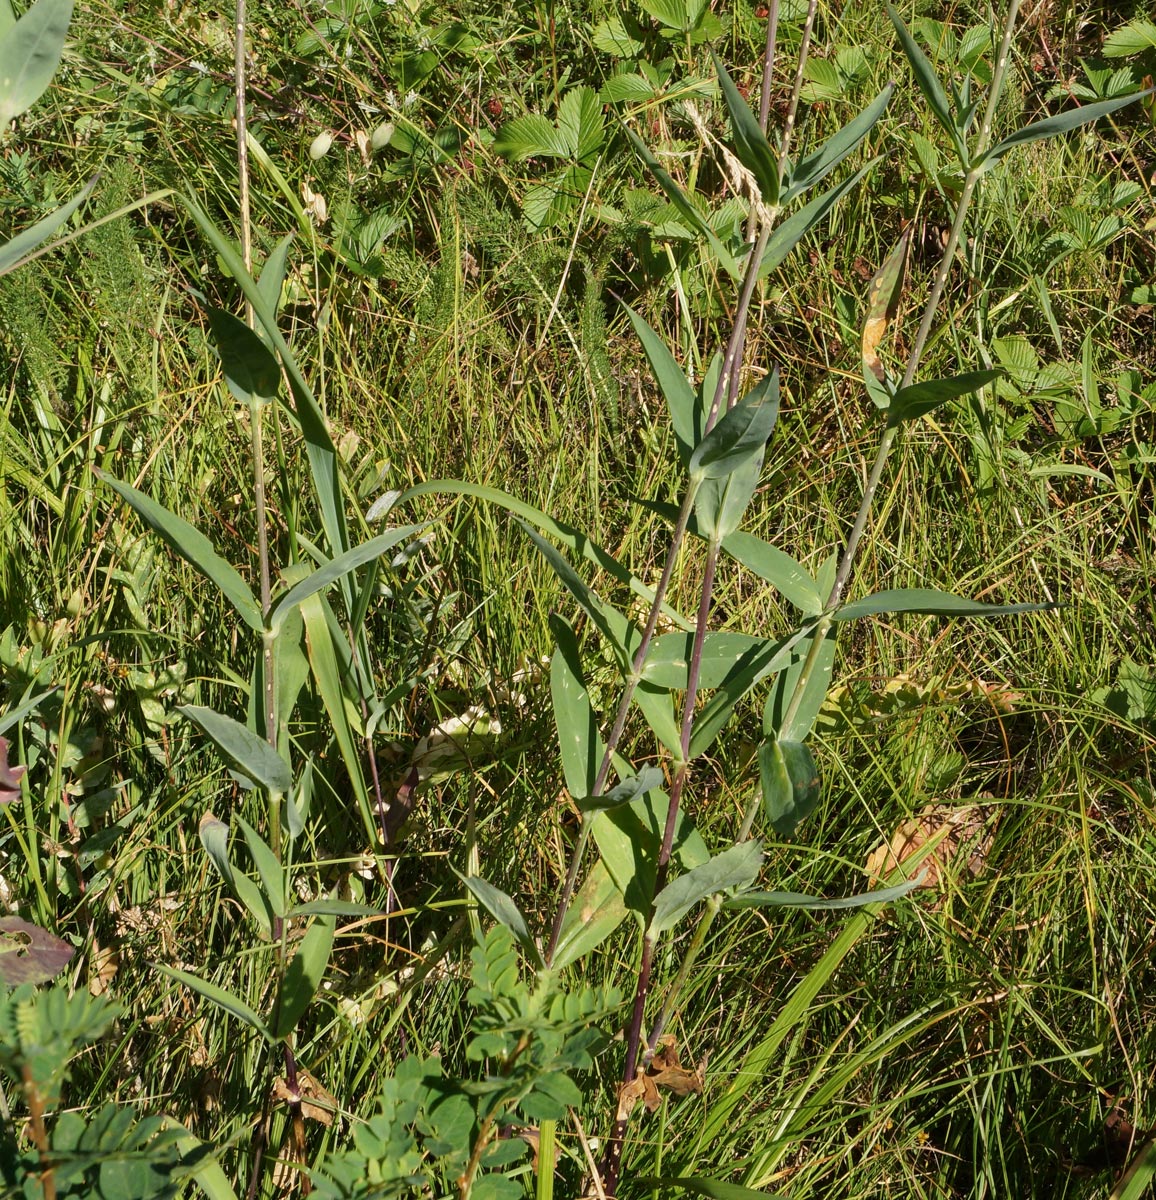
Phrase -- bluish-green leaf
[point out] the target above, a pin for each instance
(244, 750)
(304, 974)
(597, 911)
(273, 274)
(13, 251)
(930, 601)
(251, 371)
(30, 52)
(269, 868)
(911, 403)
(1064, 122)
(789, 233)
(623, 792)
(502, 908)
(214, 835)
(928, 82)
(193, 547)
(778, 568)
(667, 662)
(220, 997)
(821, 162)
(790, 783)
(799, 900)
(737, 867)
(751, 145)
(579, 741)
(740, 434)
(681, 401)
(801, 724)
(335, 568)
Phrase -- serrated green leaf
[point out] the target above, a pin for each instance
(244, 750)
(737, 867)
(1134, 38)
(790, 783)
(580, 122)
(30, 52)
(192, 546)
(751, 145)
(911, 403)
(929, 601)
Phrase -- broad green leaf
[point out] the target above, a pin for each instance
(667, 662)
(780, 696)
(245, 751)
(1063, 122)
(13, 252)
(790, 783)
(304, 975)
(799, 900)
(29, 54)
(624, 792)
(686, 210)
(816, 166)
(740, 434)
(751, 144)
(193, 547)
(911, 403)
(928, 83)
(502, 908)
(269, 869)
(930, 601)
(715, 1189)
(1136, 37)
(335, 568)
(789, 233)
(221, 998)
(777, 568)
(214, 835)
(251, 371)
(737, 867)
(756, 664)
(658, 708)
(596, 609)
(680, 15)
(681, 401)
(597, 911)
(578, 738)
(272, 277)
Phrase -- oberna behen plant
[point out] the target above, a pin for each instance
(650, 861)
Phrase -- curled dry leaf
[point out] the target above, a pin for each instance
(882, 303)
(533, 1138)
(316, 1103)
(10, 777)
(964, 840)
(663, 1071)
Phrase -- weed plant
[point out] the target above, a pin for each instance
(418, 685)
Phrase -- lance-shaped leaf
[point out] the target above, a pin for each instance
(335, 568)
(246, 752)
(686, 210)
(929, 601)
(193, 547)
(911, 403)
(753, 666)
(667, 662)
(597, 610)
(800, 900)
(778, 568)
(790, 783)
(251, 371)
(883, 294)
(751, 145)
(304, 974)
(815, 692)
(269, 869)
(720, 504)
(578, 738)
(682, 403)
(623, 793)
(737, 867)
(597, 911)
(220, 997)
(928, 83)
(14, 251)
(272, 277)
(830, 154)
(214, 834)
(502, 908)
(29, 54)
(1060, 123)
(790, 232)
(739, 435)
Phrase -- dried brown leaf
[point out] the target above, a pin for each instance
(965, 839)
